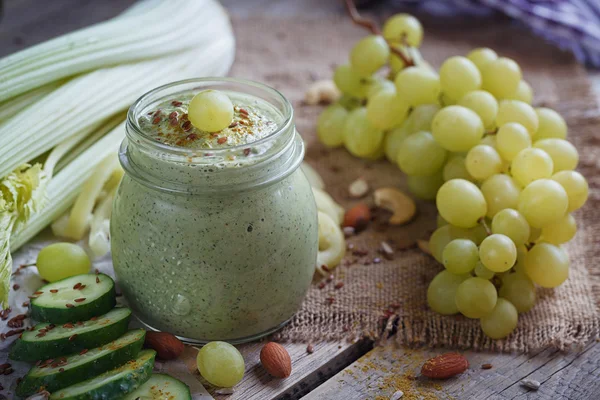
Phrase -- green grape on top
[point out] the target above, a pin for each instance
(563, 154)
(386, 110)
(459, 76)
(520, 112)
(524, 93)
(210, 111)
(62, 260)
(425, 187)
(551, 124)
(460, 256)
(361, 138)
(530, 165)
(482, 272)
(457, 128)
(501, 321)
(500, 191)
(575, 186)
(221, 364)
(403, 29)
(416, 149)
(438, 241)
(547, 265)
(441, 292)
(461, 203)
(484, 104)
(482, 56)
(483, 161)
(393, 141)
(519, 290)
(560, 231)
(511, 138)
(476, 297)
(418, 85)
(350, 82)
(511, 223)
(455, 169)
(501, 77)
(330, 125)
(543, 202)
(369, 54)
(498, 252)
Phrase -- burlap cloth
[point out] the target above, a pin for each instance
(289, 55)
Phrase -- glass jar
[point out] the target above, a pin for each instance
(219, 244)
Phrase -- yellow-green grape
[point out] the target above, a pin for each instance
(482, 272)
(476, 297)
(442, 292)
(484, 104)
(530, 165)
(220, 364)
(369, 54)
(460, 256)
(560, 231)
(421, 155)
(330, 125)
(418, 85)
(524, 93)
(547, 265)
(459, 76)
(501, 321)
(576, 187)
(438, 241)
(498, 252)
(461, 203)
(403, 28)
(543, 202)
(62, 260)
(520, 112)
(350, 82)
(393, 141)
(210, 111)
(420, 118)
(489, 140)
(361, 138)
(377, 155)
(440, 221)
(500, 191)
(385, 110)
(476, 234)
(551, 124)
(425, 187)
(511, 223)
(519, 290)
(535, 234)
(455, 169)
(379, 84)
(511, 138)
(501, 77)
(483, 161)
(563, 154)
(482, 56)
(457, 128)
(396, 63)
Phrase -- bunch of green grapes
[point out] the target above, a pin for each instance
(500, 170)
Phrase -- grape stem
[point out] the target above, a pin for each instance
(485, 226)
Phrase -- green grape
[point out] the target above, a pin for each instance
(543, 202)
(385, 110)
(460, 256)
(524, 93)
(498, 252)
(576, 187)
(511, 223)
(501, 321)
(457, 128)
(350, 82)
(511, 138)
(403, 28)
(62, 260)
(418, 85)
(489, 140)
(210, 111)
(349, 103)
(361, 138)
(482, 272)
(459, 76)
(519, 290)
(220, 364)
(369, 54)
(377, 155)
(438, 241)
(476, 297)
(482, 56)
(421, 117)
(501, 77)
(425, 187)
(396, 63)
(563, 154)
(475, 234)
(484, 104)
(500, 191)
(442, 292)
(379, 84)
(455, 169)
(535, 234)
(330, 125)
(393, 141)
(560, 231)
(520, 112)
(482, 162)
(461, 203)
(520, 264)
(551, 124)
(440, 221)
(421, 155)
(547, 265)
(530, 165)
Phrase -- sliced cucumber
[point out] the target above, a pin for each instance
(79, 367)
(70, 338)
(73, 299)
(161, 387)
(114, 384)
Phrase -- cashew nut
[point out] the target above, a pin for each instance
(314, 179)
(322, 92)
(332, 245)
(397, 202)
(327, 205)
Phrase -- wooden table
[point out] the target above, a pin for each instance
(339, 370)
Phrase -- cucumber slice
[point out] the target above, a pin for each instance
(70, 338)
(114, 384)
(161, 387)
(73, 299)
(79, 367)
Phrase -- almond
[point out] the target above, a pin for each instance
(358, 217)
(445, 366)
(276, 360)
(167, 346)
